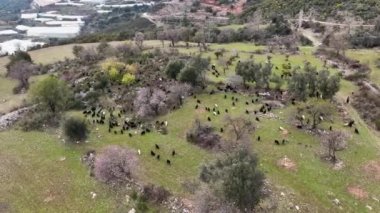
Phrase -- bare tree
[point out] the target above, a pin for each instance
(204, 136)
(339, 42)
(115, 165)
(139, 39)
(178, 92)
(150, 102)
(333, 142)
(161, 35)
(239, 126)
(222, 61)
(173, 35)
(21, 71)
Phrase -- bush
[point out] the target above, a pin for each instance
(203, 136)
(156, 194)
(52, 94)
(115, 165)
(173, 68)
(39, 120)
(128, 79)
(237, 178)
(377, 123)
(18, 56)
(75, 129)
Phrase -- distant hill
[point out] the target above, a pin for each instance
(366, 9)
(10, 9)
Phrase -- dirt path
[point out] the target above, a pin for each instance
(326, 23)
(311, 36)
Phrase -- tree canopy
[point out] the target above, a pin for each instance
(52, 94)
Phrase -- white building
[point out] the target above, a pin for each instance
(22, 28)
(53, 32)
(43, 3)
(29, 15)
(11, 46)
(8, 32)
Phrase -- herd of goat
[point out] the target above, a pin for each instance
(98, 115)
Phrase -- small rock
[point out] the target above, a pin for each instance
(127, 198)
(297, 208)
(291, 205)
(369, 207)
(282, 194)
(93, 195)
(132, 211)
(62, 158)
(375, 199)
(336, 201)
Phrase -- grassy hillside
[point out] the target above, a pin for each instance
(367, 9)
(35, 178)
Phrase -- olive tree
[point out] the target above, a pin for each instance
(236, 179)
(52, 94)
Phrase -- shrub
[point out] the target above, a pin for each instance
(155, 194)
(203, 136)
(128, 79)
(52, 94)
(238, 179)
(113, 68)
(173, 68)
(75, 129)
(39, 120)
(115, 165)
(18, 56)
(377, 123)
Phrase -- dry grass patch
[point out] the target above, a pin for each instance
(357, 192)
(287, 164)
(372, 169)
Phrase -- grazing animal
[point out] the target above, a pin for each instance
(115, 132)
(130, 134)
(299, 126)
(221, 130)
(152, 153)
(168, 162)
(142, 133)
(246, 111)
(196, 106)
(157, 147)
(283, 141)
(356, 131)
(233, 103)
(226, 110)
(258, 138)
(158, 157)
(173, 153)
(246, 103)
(351, 123)
(225, 96)
(257, 119)
(348, 100)
(208, 118)
(276, 142)
(198, 101)
(330, 128)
